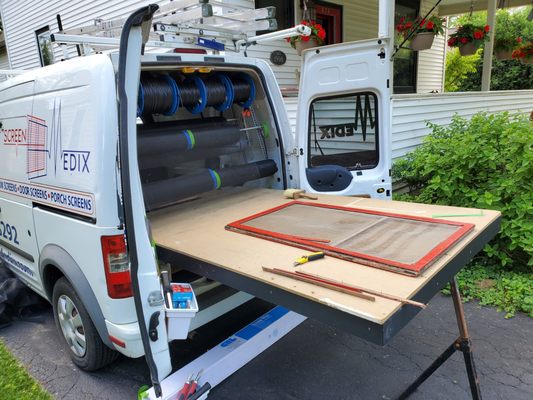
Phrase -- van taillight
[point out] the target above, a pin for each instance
(117, 267)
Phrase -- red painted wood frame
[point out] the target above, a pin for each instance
(331, 13)
(409, 269)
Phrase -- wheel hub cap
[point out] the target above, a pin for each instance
(71, 325)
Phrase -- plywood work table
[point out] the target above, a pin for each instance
(192, 236)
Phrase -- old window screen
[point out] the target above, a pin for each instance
(44, 43)
(344, 131)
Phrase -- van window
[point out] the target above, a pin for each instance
(44, 43)
(343, 130)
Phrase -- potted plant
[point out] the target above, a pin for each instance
(469, 38)
(425, 31)
(301, 42)
(504, 44)
(524, 53)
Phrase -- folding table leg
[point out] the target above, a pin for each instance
(462, 344)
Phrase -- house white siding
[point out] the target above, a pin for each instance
(23, 17)
(410, 113)
(430, 74)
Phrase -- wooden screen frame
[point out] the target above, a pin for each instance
(383, 263)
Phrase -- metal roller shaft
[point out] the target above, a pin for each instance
(162, 193)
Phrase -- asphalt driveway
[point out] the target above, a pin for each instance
(314, 361)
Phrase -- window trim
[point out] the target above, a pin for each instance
(376, 131)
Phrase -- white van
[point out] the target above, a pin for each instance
(90, 148)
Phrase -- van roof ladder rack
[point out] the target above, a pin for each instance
(205, 23)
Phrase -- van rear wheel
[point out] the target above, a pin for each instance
(72, 320)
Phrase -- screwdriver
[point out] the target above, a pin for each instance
(310, 257)
(184, 392)
(193, 386)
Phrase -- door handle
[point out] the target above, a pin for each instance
(152, 328)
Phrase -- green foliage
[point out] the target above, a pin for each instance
(15, 382)
(509, 291)
(506, 74)
(486, 162)
(458, 68)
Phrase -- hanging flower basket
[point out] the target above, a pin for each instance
(423, 31)
(422, 41)
(524, 53)
(468, 38)
(468, 49)
(503, 54)
(300, 45)
(504, 46)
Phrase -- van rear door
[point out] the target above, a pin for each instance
(144, 270)
(343, 120)
(21, 160)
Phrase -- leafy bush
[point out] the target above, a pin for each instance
(507, 290)
(486, 162)
(459, 68)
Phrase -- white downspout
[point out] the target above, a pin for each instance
(489, 46)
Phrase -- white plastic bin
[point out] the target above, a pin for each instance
(179, 319)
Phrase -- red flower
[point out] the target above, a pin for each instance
(478, 35)
(451, 41)
(519, 40)
(288, 39)
(318, 26)
(402, 20)
(463, 40)
(430, 25)
(305, 38)
(408, 25)
(487, 28)
(422, 23)
(305, 23)
(321, 34)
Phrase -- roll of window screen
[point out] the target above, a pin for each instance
(183, 136)
(162, 193)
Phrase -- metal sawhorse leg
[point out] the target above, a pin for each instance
(462, 344)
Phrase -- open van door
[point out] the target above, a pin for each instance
(143, 263)
(343, 125)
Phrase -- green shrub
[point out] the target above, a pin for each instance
(486, 162)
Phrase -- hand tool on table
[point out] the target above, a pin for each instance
(206, 387)
(193, 385)
(311, 257)
(296, 194)
(184, 392)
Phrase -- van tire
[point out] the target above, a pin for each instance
(94, 354)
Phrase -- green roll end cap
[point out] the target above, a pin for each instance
(266, 130)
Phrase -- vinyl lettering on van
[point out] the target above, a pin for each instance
(77, 202)
(8, 258)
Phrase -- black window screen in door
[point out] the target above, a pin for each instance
(344, 131)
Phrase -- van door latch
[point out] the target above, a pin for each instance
(381, 54)
(152, 328)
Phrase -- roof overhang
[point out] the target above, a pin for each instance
(454, 7)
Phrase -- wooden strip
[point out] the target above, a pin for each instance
(310, 239)
(374, 292)
(318, 282)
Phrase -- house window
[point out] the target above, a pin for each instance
(284, 12)
(406, 60)
(344, 131)
(330, 17)
(44, 43)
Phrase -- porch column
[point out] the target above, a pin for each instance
(489, 46)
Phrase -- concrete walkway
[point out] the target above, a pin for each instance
(315, 361)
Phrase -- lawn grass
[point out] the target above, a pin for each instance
(15, 382)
